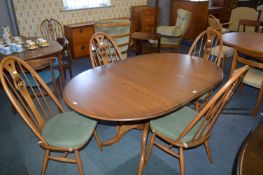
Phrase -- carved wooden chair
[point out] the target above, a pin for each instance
(119, 30)
(254, 77)
(203, 47)
(103, 50)
(186, 128)
(53, 30)
(215, 23)
(55, 129)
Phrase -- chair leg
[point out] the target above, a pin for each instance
(208, 151)
(150, 148)
(181, 160)
(258, 101)
(79, 163)
(45, 161)
(97, 140)
(197, 105)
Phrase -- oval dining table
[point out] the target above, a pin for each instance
(141, 88)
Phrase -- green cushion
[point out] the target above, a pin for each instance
(68, 130)
(172, 125)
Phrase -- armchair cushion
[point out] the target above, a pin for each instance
(169, 30)
(173, 125)
(69, 130)
(253, 78)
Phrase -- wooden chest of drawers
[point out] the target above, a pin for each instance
(79, 36)
(144, 18)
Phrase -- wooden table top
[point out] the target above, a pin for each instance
(250, 40)
(141, 87)
(53, 48)
(250, 156)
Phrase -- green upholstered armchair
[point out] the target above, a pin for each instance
(119, 30)
(172, 35)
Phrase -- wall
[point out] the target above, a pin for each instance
(30, 13)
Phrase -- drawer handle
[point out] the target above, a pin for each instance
(80, 30)
(83, 47)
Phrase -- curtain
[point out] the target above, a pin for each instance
(79, 4)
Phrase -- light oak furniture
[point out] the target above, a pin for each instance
(103, 50)
(203, 47)
(119, 30)
(52, 29)
(144, 19)
(141, 44)
(78, 36)
(199, 10)
(245, 24)
(53, 50)
(186, 128)
(254, 77)
(249, 158)
(56, 130)
(139, 89)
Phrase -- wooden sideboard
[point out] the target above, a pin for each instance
(144, 19)
(199, 18)
(79, 36)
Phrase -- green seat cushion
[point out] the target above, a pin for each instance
(172, 125)
(68, 130)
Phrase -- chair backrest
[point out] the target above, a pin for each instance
(35, 105)
(103, 50)
(119, 30)
(202, 124)
(183, 21)
(249, 25)
(51, 29)
(205, 43)
(243, 56)
(241, 13)
(214, 23)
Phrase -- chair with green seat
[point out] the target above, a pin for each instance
(119, 30)
(172, 35)
(186, 128)
(55, 129)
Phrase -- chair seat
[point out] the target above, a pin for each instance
(45, 75)
(169, 30)
(173, 124)
(227, 51)
(68, 130)
(254, 77)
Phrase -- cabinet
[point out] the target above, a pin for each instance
(199, 11)
(78, 36)
(144, 19)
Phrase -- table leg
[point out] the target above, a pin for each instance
(138, 47)
(61, 68)
(159, 45)
(121, 131)
(143, 148)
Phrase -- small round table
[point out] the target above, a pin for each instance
(138, 89)
(140, 37)
(250, 40)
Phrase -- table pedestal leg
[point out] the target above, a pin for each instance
(143, 148)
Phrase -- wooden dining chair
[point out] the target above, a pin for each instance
(245, 25)
(103, 50)
(52, 29)
(254, 77)
(186, 128)
(215, 23)
(207, 45)
(56, 130)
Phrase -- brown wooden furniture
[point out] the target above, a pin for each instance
(53, 50)
(52, 29)
(139, 42)
(249, 158)
(55, 129)
(186, 128)
(103, 50)
(144, 19)
(79, 36)
(199, 11)
(254, 77)
(244, 23)
(139, 89)
(250, 40)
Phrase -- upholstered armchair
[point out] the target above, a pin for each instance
(172, 35)
(119, 30)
